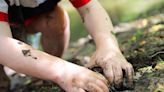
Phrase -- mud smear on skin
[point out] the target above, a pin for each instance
(20, 43)
(27, 53)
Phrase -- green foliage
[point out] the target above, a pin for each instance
(128, 10)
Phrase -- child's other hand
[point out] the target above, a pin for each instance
(74, 78)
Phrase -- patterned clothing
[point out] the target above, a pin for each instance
(13, 13)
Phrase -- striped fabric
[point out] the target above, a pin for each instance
(31, 3)
(40, 1)
(4, 9)
(79, 3)
(3, 6)
(3, 17)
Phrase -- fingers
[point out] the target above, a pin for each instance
(130, 72)
(108, 71)
(99, 81)
(81, 90)
(78, 90)
(95, 83)
(103, 86)
(118, 77)
(102, 78)
(91, 87)
(96, 86)
(114, 74)
(92, 82)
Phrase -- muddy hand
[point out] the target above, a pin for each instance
(75, 78)
(112, 65)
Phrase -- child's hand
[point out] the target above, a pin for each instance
(112, 64)
(73, 78)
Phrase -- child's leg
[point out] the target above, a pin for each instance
(54, 27)
(4, 81)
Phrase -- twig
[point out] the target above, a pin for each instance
(160, 52)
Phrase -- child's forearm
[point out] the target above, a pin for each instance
(98, 23)
(24, 59)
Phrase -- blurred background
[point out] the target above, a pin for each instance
(119, 11)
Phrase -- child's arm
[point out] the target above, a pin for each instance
(108, 54)
(24, 59)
